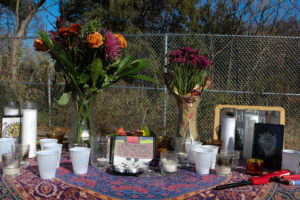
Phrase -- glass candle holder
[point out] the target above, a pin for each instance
(235, 158)
(12, 109)
(223, 164)
(255, 166)
(29, 127)
(168, 162)
(11, 163)
(251, 117)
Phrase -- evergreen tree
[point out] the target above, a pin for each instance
(131, 16)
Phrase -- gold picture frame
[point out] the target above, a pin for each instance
(241, 109)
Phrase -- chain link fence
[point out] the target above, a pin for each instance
(247, 70)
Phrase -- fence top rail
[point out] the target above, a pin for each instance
(153, 88)
(178, 34)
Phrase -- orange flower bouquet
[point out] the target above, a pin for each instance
(89, 58)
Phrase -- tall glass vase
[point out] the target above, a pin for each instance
(187, 117)
(82, 120)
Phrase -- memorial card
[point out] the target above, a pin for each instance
(133, 148)
(268, 144)
(11, 126)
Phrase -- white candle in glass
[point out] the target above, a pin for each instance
(251, 117)
(11, 109)
(29, 127)
(169, 166)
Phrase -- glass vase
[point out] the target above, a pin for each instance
(82, 119)
(187, 117)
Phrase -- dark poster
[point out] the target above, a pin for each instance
(268, 144)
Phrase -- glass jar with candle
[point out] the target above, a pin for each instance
(12, 109)
(251, 117)
(29, 127)
(168, 162)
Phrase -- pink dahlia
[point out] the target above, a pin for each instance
(112, 46)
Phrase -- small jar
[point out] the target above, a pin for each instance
(235, 158)
(255, 166)
(223, 164)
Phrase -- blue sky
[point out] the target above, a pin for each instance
(50, 15)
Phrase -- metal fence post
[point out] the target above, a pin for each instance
(165, 87)
(49, 99)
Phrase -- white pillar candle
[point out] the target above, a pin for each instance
(228, 132)
(29, 127)
(251, 117)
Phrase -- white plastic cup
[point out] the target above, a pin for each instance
(80, 159)
(5, 145)
(193, 145)
(47, 141)
(55, 147)
(47, 163)
(213, 155)
(202, 160)
(290, 160)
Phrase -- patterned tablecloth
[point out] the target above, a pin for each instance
(186, 184)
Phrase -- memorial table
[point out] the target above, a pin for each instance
(186, 184)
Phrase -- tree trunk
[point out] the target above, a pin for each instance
(17, 38)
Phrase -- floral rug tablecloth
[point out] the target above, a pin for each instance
(186, 184)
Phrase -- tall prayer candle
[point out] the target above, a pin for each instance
(11, 109)
(251, 117)
(29, 127)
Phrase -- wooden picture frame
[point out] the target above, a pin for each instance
(134, 148)
(240, 110)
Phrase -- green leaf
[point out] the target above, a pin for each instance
(96, 70)
(86, 86)
(124, 64)
(143, 77)
(64, 99)
(84, 77)
(134, 67)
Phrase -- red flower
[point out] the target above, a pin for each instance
(39, 45)
(112, 46)
(64, 31)
(75, 28)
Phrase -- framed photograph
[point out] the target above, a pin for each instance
(11, 126)
(133, 148)
(268, 144)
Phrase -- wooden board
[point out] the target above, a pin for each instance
(277, 113)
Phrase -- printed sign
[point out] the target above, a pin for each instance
(134, 148)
